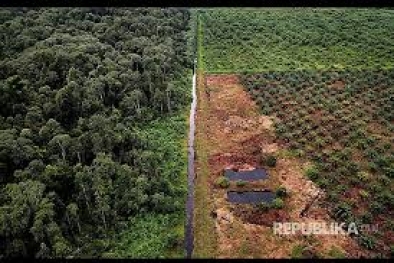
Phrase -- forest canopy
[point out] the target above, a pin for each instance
(87, 96)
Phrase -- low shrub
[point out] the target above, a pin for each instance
(281, 192)
(364, 194)
(263, 206)
(277, 203)
(335, 252)
(389, 172)
(376, 208)
(367, 241)
(312, 173)
(241, 183)
(270, 160)
(302, 252)
(322, 182)
(363, 176)
(222, 182)
(343, 210)
(366, 218)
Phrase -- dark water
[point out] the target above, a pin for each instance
(252, 175)
(250, 197)
(189, 238)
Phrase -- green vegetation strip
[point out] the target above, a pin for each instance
(254, 40)
(204, 228)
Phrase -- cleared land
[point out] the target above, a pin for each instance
(237, 136)
(325, 79)
(343, 123)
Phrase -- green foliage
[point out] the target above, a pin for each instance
(312, 173)
(146, 236)
(367, 241)
(236, 40)
(277, 203)
(297, 251)
(222, 182)
(392, 250)
(241, 183)
(363, 176)
(343, 137)
(281, 192)
(270, 160)
(335, 252)
(263, 206)
(364, 194)
(93, 129)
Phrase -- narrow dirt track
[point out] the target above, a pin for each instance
(237, 134)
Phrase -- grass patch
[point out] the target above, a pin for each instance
(147, 237)
(241, 183)
(204, 231)
(159, 235)
(335, 252)
(222, 182)
(297, 251)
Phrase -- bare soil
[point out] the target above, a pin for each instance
(338, 84)
(238, 135)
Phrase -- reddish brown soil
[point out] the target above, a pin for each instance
(338, 84)
(214, 80)
(254, 216)
(238, 136)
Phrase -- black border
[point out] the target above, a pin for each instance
(188, 260)
(197, 3)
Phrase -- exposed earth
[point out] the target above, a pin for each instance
(237, 135)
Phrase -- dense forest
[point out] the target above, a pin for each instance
(91, 130)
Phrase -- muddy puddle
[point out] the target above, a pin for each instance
(250, 197)
(252, 175)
